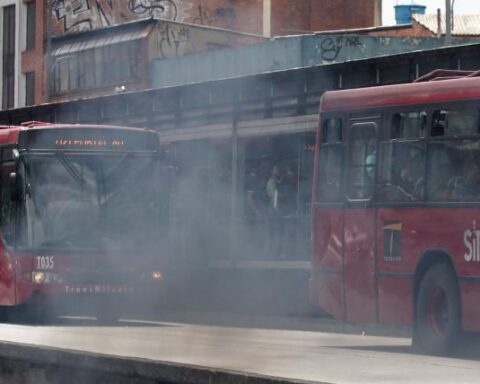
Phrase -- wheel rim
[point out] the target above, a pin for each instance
(437, 311)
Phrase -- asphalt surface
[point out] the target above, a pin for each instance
(299, 348)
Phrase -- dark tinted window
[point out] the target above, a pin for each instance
(330, 161)
(8, 57)
(402, 171)
(408, 125)
(455, 122)
(362, 160)
(454, 171)
(332, 130)
(30, 88)
(31, 25)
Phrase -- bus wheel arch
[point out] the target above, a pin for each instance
(436, 304)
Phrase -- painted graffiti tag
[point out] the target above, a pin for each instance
(206, 16)
(81, 15)
(73, 14)
(331, 47)
(174, 41)
(166, 9)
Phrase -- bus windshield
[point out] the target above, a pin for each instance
(87, 201)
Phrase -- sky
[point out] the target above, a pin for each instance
(464, 7)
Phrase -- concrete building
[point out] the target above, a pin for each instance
(118, 58)
(29, 36)
(270, 17)
(13, 40)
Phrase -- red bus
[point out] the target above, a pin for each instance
(78, 214)
(396, 207)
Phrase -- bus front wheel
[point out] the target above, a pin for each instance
(437, 313)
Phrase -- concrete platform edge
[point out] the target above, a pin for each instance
(53, 360)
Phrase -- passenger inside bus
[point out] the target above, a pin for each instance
(410, 182)
(466, 187)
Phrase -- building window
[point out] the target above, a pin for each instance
(109, 65)
(8, 57)
(30, 88)
(31, 25)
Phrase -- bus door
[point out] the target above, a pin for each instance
(359, 222)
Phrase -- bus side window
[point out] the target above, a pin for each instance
(455, 122)
(408, 125)
(454, 173)
(439, 122)
(362, 160)
(330, 161)
(402, 171)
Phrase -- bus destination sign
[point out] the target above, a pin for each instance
(89, 139)
(89, 143)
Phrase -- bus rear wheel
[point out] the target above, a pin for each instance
(437, 313)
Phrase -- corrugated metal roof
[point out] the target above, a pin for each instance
(463, 25)
(100, 41)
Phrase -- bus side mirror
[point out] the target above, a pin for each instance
(15, 194)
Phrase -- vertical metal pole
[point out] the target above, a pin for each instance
(234, 197)
(439, 23)
(448, 30)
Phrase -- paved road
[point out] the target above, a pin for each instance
(299, 354)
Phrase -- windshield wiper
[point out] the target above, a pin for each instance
(65, 161)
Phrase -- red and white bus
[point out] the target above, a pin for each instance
(78, 213)
(396, 207)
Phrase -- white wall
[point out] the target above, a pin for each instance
(20, 44)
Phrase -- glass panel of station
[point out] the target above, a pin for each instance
(263, 215)
(201, 201)
(276, 197)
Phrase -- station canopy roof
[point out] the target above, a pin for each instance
(75, 44)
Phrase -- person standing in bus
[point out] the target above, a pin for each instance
(257, 205)
(274, 216)
(287, 207)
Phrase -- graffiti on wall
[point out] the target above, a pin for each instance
(217, 16)
(331, 47)
(175, 40)
(165, 9)
(81, 15)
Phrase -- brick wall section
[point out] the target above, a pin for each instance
(237, 15)
(248, 16)
(32, 60)
(341, 14)
(416, 30)
(290, 17)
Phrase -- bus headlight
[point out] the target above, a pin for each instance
(38, 277)
(157, 275)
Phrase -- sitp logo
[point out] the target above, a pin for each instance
(471, 239)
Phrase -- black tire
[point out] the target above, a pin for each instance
(437, 312)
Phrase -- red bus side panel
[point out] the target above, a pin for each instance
(326, 286)
(359, 265)
(7, 277)
(404, 235)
